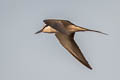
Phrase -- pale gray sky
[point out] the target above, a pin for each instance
(26, 56)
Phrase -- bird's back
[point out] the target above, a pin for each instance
(52, 21)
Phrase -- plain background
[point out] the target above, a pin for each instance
(26, 56)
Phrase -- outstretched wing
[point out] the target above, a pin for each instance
(69, 44)
(58, 25)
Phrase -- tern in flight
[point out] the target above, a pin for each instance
(64, 31)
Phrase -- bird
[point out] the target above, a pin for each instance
(64, 31)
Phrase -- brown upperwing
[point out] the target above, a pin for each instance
(69, 44)
(58, 25)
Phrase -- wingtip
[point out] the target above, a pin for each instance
(90, 67)
(98, 32)
(87, 65)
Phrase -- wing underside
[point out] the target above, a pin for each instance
(69, 44)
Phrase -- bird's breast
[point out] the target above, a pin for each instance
(49, 29)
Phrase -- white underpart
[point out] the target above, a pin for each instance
(71, 28)
(74, 28)
(49, 29)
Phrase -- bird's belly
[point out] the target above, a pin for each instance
(73, 28)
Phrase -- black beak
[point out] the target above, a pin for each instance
(38, 32)
(41, 29)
